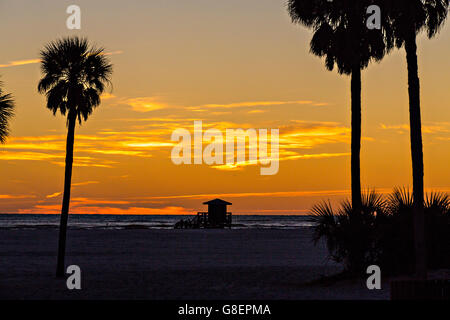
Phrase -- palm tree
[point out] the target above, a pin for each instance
(341, 36)
(74, 77)
(6, 113)
(407, 19)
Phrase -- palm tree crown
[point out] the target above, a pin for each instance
(410, 17)
(75, 76)
(6, 113)
(340, 32)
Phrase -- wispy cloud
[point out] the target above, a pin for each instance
(17, 63)
(78, 184)
(95, 150)
(53, 195)
(76, 208)
(112, 53)
(85, 183)
(428, 127)
(254, 104)
(280, 194)
(256, 111)
(251, 104)
(11, 196)
(145, 104)
(152, 103)
(107, 96)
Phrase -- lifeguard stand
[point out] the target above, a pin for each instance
(217, 215)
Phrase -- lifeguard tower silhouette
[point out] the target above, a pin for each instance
(216, 217)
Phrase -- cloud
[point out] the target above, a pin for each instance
(74, 185)
(53, 195)
(88, 201)
(241, 164)
(76, 209)
(29, 156)
(145, 104)
(91, 150)
(149, 144)
(112, 53)
(428, 127)
(318, 156)
(16, 63)
(308, 134)
(84, 183)
(250, 104)
(280, 194)
(297, 140)
(10, 196)
(107, 96)
(255, 104)
(257, 111)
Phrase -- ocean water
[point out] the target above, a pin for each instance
(35, 221)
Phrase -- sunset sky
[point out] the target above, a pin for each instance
(231, 64)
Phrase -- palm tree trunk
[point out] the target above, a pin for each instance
(66, 197)
(417, 156)
(356, 138)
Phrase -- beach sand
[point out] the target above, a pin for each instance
(174, 264)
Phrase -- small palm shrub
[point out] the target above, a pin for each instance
(350, 234)
(437, 219)
(396, 236)
(382, 232)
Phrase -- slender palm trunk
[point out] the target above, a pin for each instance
(356, 138)
(417, 156)
(66, 197)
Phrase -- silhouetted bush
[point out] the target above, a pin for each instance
(382, 233)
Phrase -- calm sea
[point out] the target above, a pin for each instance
(33, 221)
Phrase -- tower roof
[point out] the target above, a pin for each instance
(217, 201)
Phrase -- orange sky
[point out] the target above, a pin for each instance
(231, 64)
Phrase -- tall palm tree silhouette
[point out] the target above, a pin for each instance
(408, 18)
(6, 113)
(74, 77)
(342, 37)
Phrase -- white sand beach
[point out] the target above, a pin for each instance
(174, 264)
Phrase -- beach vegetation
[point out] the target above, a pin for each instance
(382, 232)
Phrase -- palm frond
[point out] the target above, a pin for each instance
(400, 198)
(438, 201)
(6, 113)
(325, 223)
